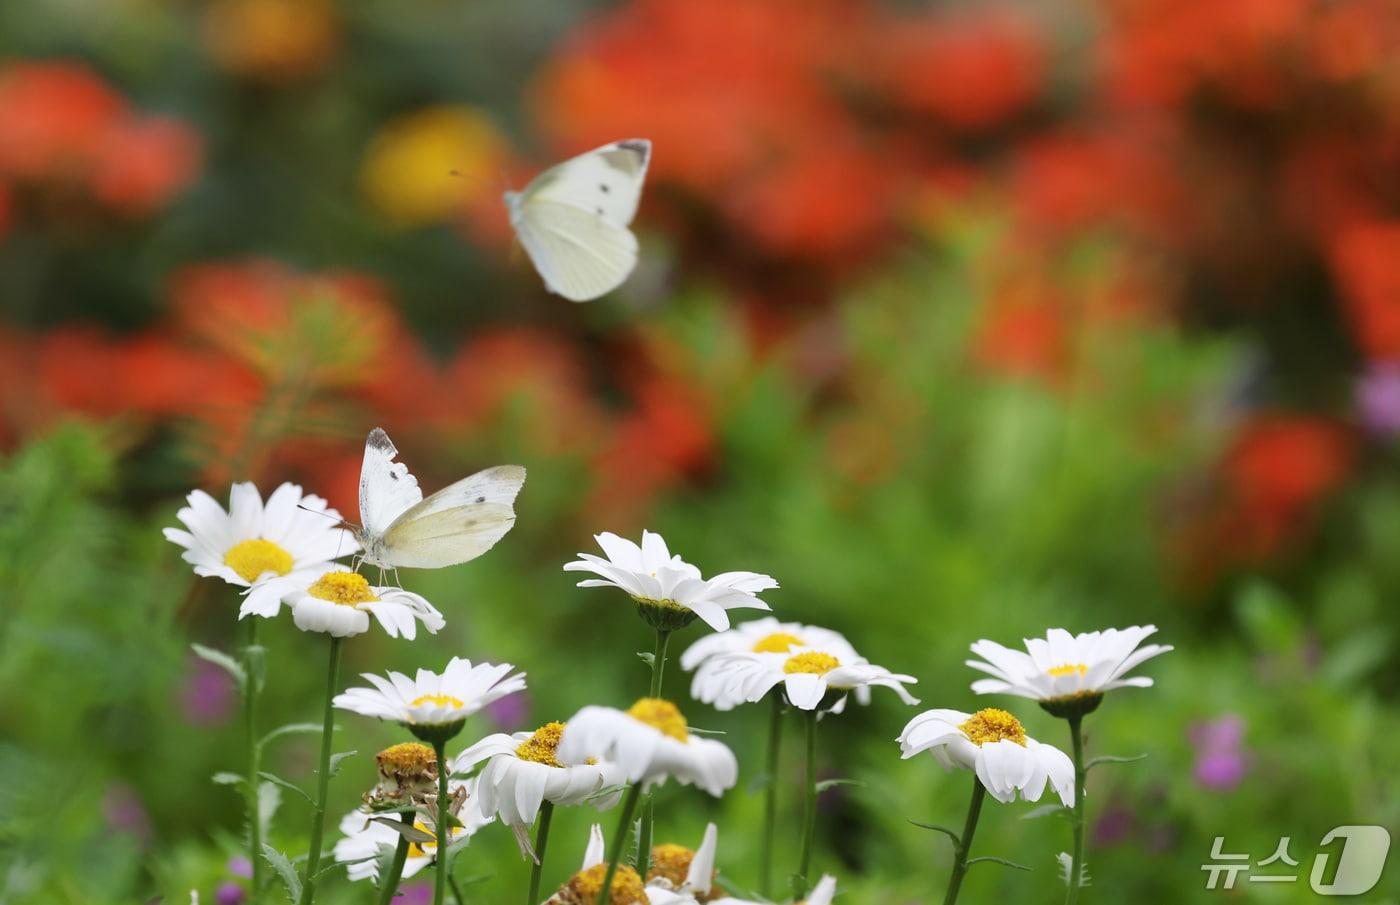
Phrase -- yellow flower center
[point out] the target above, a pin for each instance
(777, 643)
(1068, 669)
(993, 725)
(627, 888)
(344, 588)
(818, 664)
(661, 714)
(251, 558)
(441, 700)
(671, 862)
(543, 746)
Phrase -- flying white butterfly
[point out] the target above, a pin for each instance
(573, 218)
(454, 525)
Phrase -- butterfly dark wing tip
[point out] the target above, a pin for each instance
(640, 146)
(378, 439)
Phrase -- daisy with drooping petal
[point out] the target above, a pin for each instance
(523, 779)
(668, 591)
(649, 742)
(339, 604)
(366, 837)
(1061, 668)
(992, 744)
(255, 542)
(821, 894)
(1068, 675)
(522, 773)
(809, 677)
(430, 702)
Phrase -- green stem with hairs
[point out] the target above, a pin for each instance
(658, 670)
(388, 885)
(974, 810)
(770, 796)
(252, 687)
(1076, 866)
(443, 833)
(541, 841)
(809, 814)
(624, 823)
(323, 778)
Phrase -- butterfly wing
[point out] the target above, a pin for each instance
(456, 524)
(387, 488)
(580, 255)
(573, 219)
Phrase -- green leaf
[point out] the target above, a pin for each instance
(833, 783)
(995, 860)
(957, 840)
(290, 729)
(223, 661)
(225, 778)
(696, 730)
(1110, 759)
(284, 870)
(337, 759)
(647, 657)
(606, 791)
(1046, 810)
(408, 831)
(286, 784)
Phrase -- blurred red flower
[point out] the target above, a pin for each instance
(971, 71)
(52, 116)
(1366, 261)
(141, 163)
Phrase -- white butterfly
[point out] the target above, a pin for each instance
(573, 218)
(454, 525)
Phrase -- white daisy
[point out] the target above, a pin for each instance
(1062, 668)
(809, 677)
(429, 701)
(767, 637)
(821, 894)
(254, 542)
(669, 591)
(522, 771)
(682, 872)
(649, 742)
(339, 603)
(993, 744)
(366, 838)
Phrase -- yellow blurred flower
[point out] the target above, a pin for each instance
(423, 167)
(271, 39)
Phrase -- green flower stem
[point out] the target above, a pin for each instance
(658, 671)
(1076, 866)
(658, 661)
(252, 687)
(624, 823)
(541, 841)
(974, 810)
(809, 814)
(443, 833)
(456, 891)
(389, 884)
(770, 797)
(323, 778)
